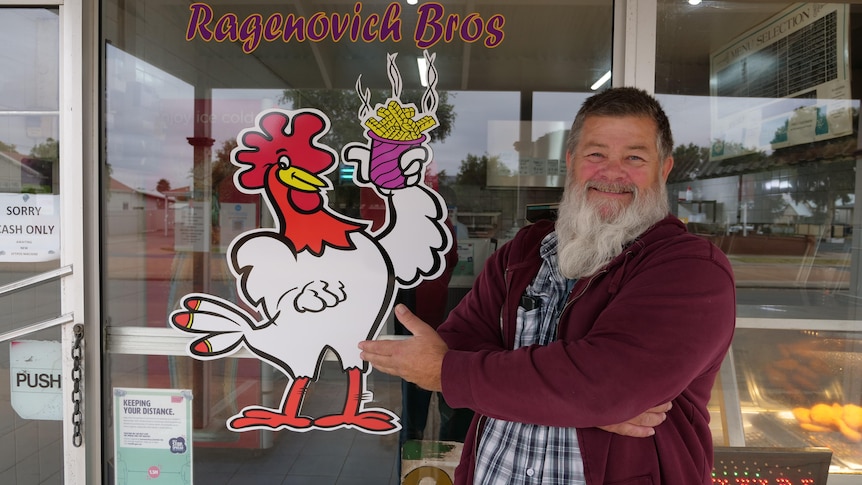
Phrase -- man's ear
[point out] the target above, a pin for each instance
(666, 168)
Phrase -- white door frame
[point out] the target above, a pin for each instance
(79, 243)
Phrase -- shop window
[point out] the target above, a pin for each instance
(180, 90)
(763, 101)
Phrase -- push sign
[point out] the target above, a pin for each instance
(35, 376)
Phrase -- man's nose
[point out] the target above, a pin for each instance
(614, 168)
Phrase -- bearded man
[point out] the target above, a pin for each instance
(587, 347)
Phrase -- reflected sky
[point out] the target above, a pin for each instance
(150, 115)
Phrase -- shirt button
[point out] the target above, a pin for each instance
(530, 472)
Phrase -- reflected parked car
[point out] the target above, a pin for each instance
(738, 228)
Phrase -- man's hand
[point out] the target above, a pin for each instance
(417, 359)
(643, 425)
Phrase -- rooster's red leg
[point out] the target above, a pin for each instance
(354, 415)
(287, 417)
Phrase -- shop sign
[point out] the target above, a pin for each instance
(152, 436)
(29, 227)
(433, 25)
(35, 371)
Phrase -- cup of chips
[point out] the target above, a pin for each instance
(394, 133)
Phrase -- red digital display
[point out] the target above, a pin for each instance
(762, 481)
(771, 466)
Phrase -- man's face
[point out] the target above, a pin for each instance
(614, 158)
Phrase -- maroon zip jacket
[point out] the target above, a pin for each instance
(651, 327)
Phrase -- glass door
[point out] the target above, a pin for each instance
(41, 330)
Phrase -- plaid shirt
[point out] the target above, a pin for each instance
(526, 454)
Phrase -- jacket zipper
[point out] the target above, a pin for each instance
(587, 286)
(576, 297)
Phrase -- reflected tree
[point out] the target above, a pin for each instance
(474, 170)
(49, 150)
(688, 161)
(163, 185)
(822, 185)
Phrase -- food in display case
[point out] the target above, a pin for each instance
(801, 389)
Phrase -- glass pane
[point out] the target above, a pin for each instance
(31, 420)
(177, 101)
(29, 162)
(30, 394)
(764, 113)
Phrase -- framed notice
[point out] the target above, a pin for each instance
(152, 436)
(783, 83)
(29, 228)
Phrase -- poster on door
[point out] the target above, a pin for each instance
(29, 227)
(35, 369)
(152, 436)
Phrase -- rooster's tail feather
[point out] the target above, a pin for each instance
(216, 344)
(205, 314)
(221, 323)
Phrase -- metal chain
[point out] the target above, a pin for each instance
(77, 415)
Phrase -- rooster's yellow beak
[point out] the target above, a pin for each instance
(300, 179)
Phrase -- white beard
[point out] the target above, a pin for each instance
(588, 240)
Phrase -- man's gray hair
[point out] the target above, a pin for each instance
(624, 101)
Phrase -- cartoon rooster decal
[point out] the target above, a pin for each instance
(320, 281)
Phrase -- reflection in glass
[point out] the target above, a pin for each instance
(765, 166)
(29, 162)
(173, 111)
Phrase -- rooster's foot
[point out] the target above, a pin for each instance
(374, 421)
(267, 418)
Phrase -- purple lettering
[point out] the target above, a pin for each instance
(357, 22)
(226, 28)
(391, 26)
(201, 15)
(451, 28)
(433, 25)
(294, 27)
(272, 28)
(318, 27)
(250, 33)
(472, 28)
(429, 18)
(495, 31)
(367, 33)
(339, 26)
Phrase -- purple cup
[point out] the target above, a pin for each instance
(385, 157)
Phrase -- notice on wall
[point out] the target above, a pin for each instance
(191, 230)
(29, 227)
(235, 219)
(35, 370)
(784, 83)
(152, 436)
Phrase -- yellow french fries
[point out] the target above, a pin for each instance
(396, 122)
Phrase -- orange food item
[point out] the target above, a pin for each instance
(823, 415)
(803, 415)
(814, 427)
(853, 416)
(848, 432)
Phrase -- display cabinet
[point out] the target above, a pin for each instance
(792, 384)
